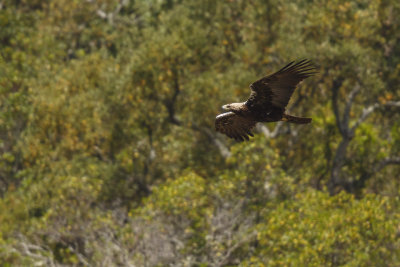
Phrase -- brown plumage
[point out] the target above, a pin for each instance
(267, 102)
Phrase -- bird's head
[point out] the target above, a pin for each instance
(232, 106)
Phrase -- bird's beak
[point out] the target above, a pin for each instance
(224, 107)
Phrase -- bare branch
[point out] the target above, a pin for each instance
(110, 16)
(338, 161)
(392, 104)
(267, 133)
(349, 103)
(101, 14)
(42, 255)
(225, 259)
(335, 90)
(224, 151)
(170, 105)
(80, 256)
(264, 129)
(387, 161)
(230, 228)
(366, 112)
(297, 102)
(347, 135)
(360, 183)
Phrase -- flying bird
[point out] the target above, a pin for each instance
(267, 102)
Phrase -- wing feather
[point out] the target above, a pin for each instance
(276, 89)
(234, 126)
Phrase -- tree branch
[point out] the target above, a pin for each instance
(360, 183)
(36, 252)
(338, 161)
(347, 135)
(335, 90)
(387, 161)
(170, 105)
(230, 250)
(267, 133)
(392, 104)
(366, 112)
(349, 103)
(223, 150)
(110, 16)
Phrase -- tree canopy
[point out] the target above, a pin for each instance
(108, 154)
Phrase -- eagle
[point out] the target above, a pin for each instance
(267, 102)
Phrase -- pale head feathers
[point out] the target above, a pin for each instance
(232, 106)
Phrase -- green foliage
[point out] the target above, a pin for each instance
(108, 154)
(315, 229)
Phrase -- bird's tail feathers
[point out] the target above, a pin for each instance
(294, 119)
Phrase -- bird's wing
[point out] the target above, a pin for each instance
(276, 89)
(234, 126)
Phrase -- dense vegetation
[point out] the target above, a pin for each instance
(108, 156)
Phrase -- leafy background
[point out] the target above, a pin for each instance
(108, 156)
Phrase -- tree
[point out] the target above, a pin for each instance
(108, 153)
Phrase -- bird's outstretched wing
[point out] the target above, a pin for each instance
(276, 89)
(234, 126)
